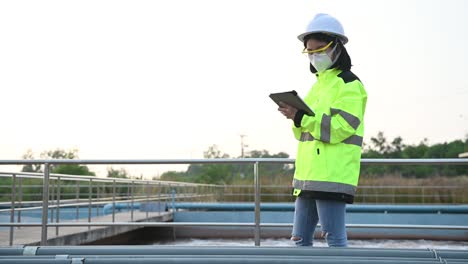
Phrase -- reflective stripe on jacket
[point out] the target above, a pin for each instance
(329, 152)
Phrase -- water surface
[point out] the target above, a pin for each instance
(407, 244)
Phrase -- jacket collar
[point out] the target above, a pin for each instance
(327, 74)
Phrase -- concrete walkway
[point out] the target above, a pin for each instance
(80, 235)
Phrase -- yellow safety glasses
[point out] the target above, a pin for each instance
(305, 51)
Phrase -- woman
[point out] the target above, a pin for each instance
(329, 152)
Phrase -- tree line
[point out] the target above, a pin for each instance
(378, 147)
(231, 173)
(272, 174)
(71, 169)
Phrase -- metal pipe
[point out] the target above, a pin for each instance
(251, 258)
(147, 200)
(217, 259)
(52, 193)
(45, 203)
(38, 261)
(20, 197)
(235, 224)
(422, 194)
(127, 190)
(113, 201)
(285, 258)
(11, 251)
(58, 206)
(246, 251)
(90, 190)
(173, 196)
(74, 204)
(77, 199)
(450, 209)
(12, 214)
(451, 161)
(132, 193)
(86, 178)
(97, 198)
(159, 198)
(257, 205)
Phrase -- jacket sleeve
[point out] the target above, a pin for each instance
(297, 131)
(346, 115)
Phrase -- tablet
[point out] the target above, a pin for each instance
(291, 98)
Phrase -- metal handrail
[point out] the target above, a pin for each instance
(255, 161)
(166, 197)
(451, 161)
(230, 224)
(35, 175)
(71, 201)
(364, 186)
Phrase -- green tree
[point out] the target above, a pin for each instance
(59, 154)
(174, 176)
(29, 155)
(379, 144)
(213, 173)
(233, 173)
(213, 152)
(380, 148)
(417, 152)
(117, 173)
(73, 169)
(274, 172)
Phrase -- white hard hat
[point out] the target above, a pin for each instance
(324, 23)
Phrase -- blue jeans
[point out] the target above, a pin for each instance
(307, 213)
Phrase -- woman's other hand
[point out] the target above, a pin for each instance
(288, 111)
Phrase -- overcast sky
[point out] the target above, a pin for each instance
(167, 79)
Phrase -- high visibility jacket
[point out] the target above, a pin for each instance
(329, 152)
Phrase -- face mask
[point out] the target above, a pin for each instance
(322, 61)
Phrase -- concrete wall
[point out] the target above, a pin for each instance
(100, 235)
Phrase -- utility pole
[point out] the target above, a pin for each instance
(243, 145)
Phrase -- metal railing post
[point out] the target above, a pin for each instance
(45, 204)
(98, 194)
(20, 197)
(58, 206)
(159, 197)
(185, 192)
(52, 194)
(173, 198)
(463, 196)
(363, 196)
(13, 198)
(422, 194)
(147, 200)
(257, 205)
(90, 190)
(132, 198)
(113, 201)
(77, 197)
(128, 190)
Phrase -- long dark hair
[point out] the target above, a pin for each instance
(343, 62)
